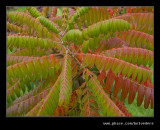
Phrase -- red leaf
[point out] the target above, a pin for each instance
(101, 77)
(141, 92)
(109, 82)
(132, 92)
(125, 89)
(118, 85)
(147, 97)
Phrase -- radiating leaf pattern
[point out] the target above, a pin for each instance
(140, 21)
(79, 61)
(66, 82)
(117, 66)
(133, 55)
(138, 39)
(107, 106)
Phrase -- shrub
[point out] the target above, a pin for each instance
(86, 62)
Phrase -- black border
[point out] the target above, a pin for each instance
(77, 122)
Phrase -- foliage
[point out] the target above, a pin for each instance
(80, 61)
